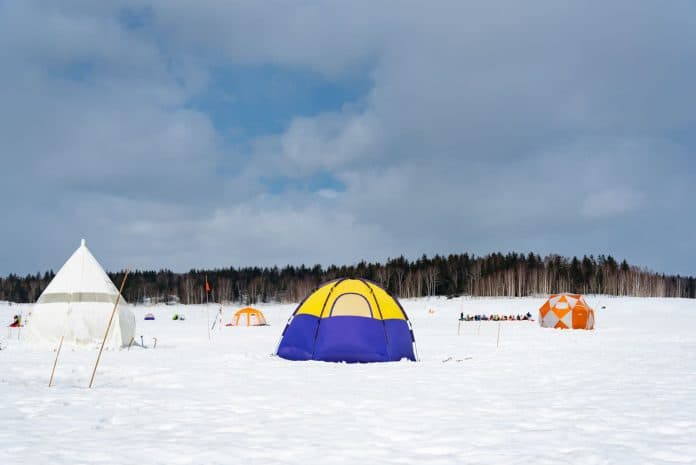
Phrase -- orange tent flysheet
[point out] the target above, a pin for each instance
(248, 317)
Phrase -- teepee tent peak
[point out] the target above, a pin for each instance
(77, 304)
(80, 279)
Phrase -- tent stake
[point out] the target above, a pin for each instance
(108, 327)
(55, 362)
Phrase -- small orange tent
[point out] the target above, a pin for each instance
(248, 317)
(566, 311)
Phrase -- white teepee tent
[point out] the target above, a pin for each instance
(77, 304)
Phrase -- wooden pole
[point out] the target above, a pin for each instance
(108, 327)
(131, 342)
(497, 342)
(60, 345)
(55, 362)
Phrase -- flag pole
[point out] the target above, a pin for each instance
(207, 302)
(108, 327)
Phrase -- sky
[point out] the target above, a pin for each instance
(177, 134)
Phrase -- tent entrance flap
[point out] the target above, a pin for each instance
(351, 305)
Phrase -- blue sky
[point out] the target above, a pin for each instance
(180, 135)
(244, 102)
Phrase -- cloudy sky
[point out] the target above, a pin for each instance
(182, 134)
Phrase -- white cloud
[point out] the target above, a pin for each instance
(481, 124)
(249, 234)
(611, 203)
(328, 142)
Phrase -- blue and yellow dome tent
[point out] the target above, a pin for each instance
(348, 320)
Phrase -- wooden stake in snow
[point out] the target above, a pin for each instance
(55, 362)
(497, 343)
(108, 327)
(65, 328)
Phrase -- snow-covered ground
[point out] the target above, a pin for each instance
(624, 393)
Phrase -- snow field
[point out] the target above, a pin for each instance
(624, 393)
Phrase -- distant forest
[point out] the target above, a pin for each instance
(491, 275)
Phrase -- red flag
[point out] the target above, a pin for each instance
(207, 285)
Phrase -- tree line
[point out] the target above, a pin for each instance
(497, 274)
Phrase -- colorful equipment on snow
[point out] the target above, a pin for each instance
(348, 320)
(248, 317)
(566, 311)
(149, 317)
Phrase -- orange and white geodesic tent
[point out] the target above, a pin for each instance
(566, 311)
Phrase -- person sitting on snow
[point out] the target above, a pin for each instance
(16, 321)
